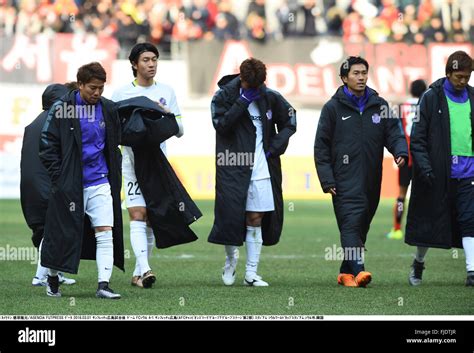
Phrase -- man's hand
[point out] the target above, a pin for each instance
(400, 162)
(249, 95)
(428, 179)
(166, 110)
(330, 190)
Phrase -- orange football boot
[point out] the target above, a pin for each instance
(363, 278)
(346, 280)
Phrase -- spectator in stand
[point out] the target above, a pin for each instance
(28, 21)
(127, 33)
(213, 10)
(353, 28)
(389, 12)
(435, 32)
(450, 11)
(426, 10)
(256, 21)
(165, 21)
(227, 25)
(399, 32)
(457, 35)
(334, 18)
(199, 16)
(378, 31)
(287, 15)
(310, 12)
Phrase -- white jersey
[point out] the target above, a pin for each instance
(158, 92)
(260, 166)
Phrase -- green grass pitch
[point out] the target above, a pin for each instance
(301, 280)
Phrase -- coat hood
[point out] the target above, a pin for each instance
(52, 93)
(227, 79)
(438, 83)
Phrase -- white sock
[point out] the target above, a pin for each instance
(150, 237)
(52, 273)
(421, 253)
(253, 244)
(41, 272)
(139, 241)
(104, 255)
(468, 245)
(231, 253)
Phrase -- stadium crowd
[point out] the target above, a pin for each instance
(163, 22)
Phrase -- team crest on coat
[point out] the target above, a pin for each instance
(269, 114)
(376, 118)
(162, 101)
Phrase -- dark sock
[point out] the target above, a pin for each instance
(103, 285)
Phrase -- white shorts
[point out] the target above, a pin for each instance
(260, 196)
(133, 194)
(98, 205)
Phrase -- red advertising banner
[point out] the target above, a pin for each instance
(307, 70)
(53, 58)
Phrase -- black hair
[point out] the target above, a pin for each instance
(417, 88)
(253, 72)
(88, 72)
(139, 49)
(349, 62)
(459, 61)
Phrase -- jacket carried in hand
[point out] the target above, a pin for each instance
(170, 209)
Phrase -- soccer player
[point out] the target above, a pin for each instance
(354, 127)
(408, 112)
(253, 126)
(34, 181)
(441, 212)
(79, 149)
(144, 60)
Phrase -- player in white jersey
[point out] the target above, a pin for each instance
(144, 60)
(256, 123)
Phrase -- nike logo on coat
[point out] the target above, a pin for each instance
(346, 117)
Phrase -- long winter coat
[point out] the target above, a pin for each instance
(431, 219)
(235, 133)
(34, 182)
(348, 153)
(68, 234)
